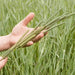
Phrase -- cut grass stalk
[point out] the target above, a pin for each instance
(25, 39)
(53, 27)
(51, 17)
(58, 19)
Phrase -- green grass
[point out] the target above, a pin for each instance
(55, 53)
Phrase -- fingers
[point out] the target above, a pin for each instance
(2, 62)
(29, 43)
(27, 19)
(38, 37)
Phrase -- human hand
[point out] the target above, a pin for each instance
(16, 34)
(2, 62)
(21, 28)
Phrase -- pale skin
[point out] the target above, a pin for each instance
(9, 40)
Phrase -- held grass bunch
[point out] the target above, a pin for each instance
(47, 26)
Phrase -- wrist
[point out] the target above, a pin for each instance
(4, 42)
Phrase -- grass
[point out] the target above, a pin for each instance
(55, 53)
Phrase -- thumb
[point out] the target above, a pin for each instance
(2, 62)
(27, 19)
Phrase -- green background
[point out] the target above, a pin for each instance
(55, 53)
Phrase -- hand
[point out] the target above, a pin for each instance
(3, 62)
(21, 28)
(16, 34)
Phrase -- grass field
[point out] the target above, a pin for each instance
(55, 53)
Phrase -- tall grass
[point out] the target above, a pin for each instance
(55, 53)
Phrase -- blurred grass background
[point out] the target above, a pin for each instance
(55, 53)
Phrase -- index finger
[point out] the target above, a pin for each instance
(27, 19)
